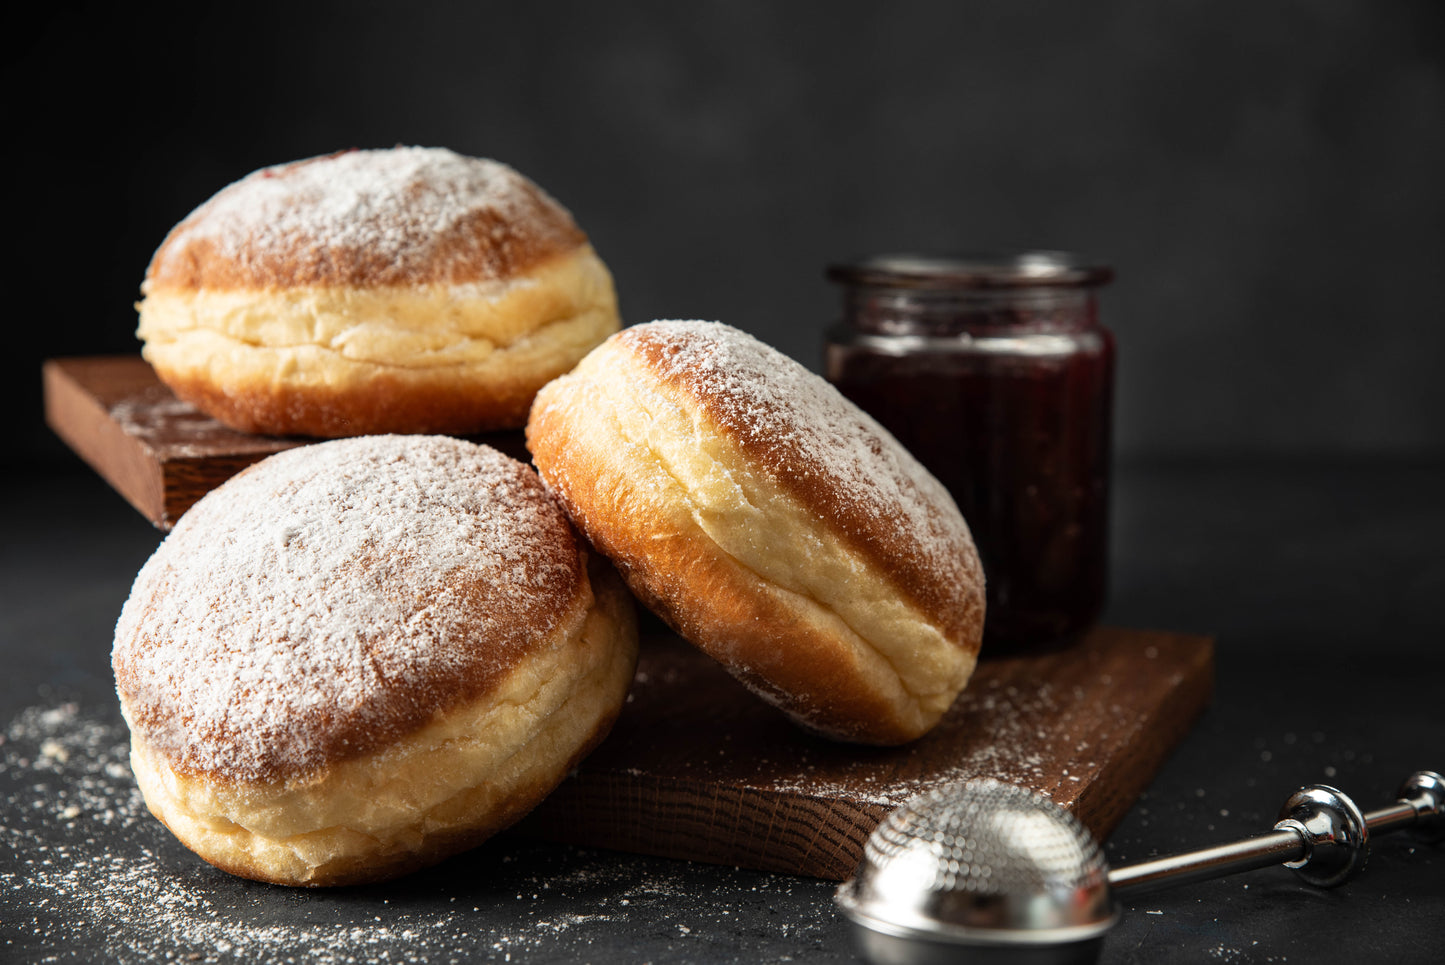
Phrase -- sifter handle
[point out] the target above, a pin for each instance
(1321, 834)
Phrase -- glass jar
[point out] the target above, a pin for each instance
(996, 374)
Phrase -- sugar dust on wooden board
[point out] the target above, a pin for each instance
(1019, 727)
(721, 777)
(158, 419)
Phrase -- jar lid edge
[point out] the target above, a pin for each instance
(1022, 269)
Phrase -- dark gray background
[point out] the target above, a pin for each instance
(1266, 177)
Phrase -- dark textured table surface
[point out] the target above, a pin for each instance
(1322, 583)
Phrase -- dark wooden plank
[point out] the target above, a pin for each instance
(158, 452)
(161, 454)
(83, 421)
(698, 768)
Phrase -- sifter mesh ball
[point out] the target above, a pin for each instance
(978, 863)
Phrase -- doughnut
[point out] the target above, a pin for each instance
(410, 290)
(771, 523)
(359, 657)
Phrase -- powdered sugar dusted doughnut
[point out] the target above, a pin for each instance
(771, 522)
(358, 657)
(402, 290)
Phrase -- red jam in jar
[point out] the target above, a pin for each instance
(996, 374)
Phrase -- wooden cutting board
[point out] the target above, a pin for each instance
(158, 452)
(697, 767)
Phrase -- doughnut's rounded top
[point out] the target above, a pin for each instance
(338, 596)
(366, 218)
(771, 522)
(826, 453)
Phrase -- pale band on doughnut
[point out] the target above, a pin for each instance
(408, 290)
(771, 522)
(360, 657)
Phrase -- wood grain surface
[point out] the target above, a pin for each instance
(158, 452)
(698, 768)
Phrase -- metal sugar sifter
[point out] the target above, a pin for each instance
(987, 872)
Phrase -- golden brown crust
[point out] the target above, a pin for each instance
(758, 632)
(803, 472)
(412, 290)
(514, 226)
(326, 838)
(710, 478)
(359, 657)
(301, 562)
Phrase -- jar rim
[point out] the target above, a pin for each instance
(1020, 269)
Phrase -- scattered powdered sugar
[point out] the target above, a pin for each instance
(173, 429)
(89, 875)
(810, 438)
(404, 212)
(995, 730)
(335, 595)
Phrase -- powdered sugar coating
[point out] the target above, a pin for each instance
(825, 451)
(336, 596)
(371, 218)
